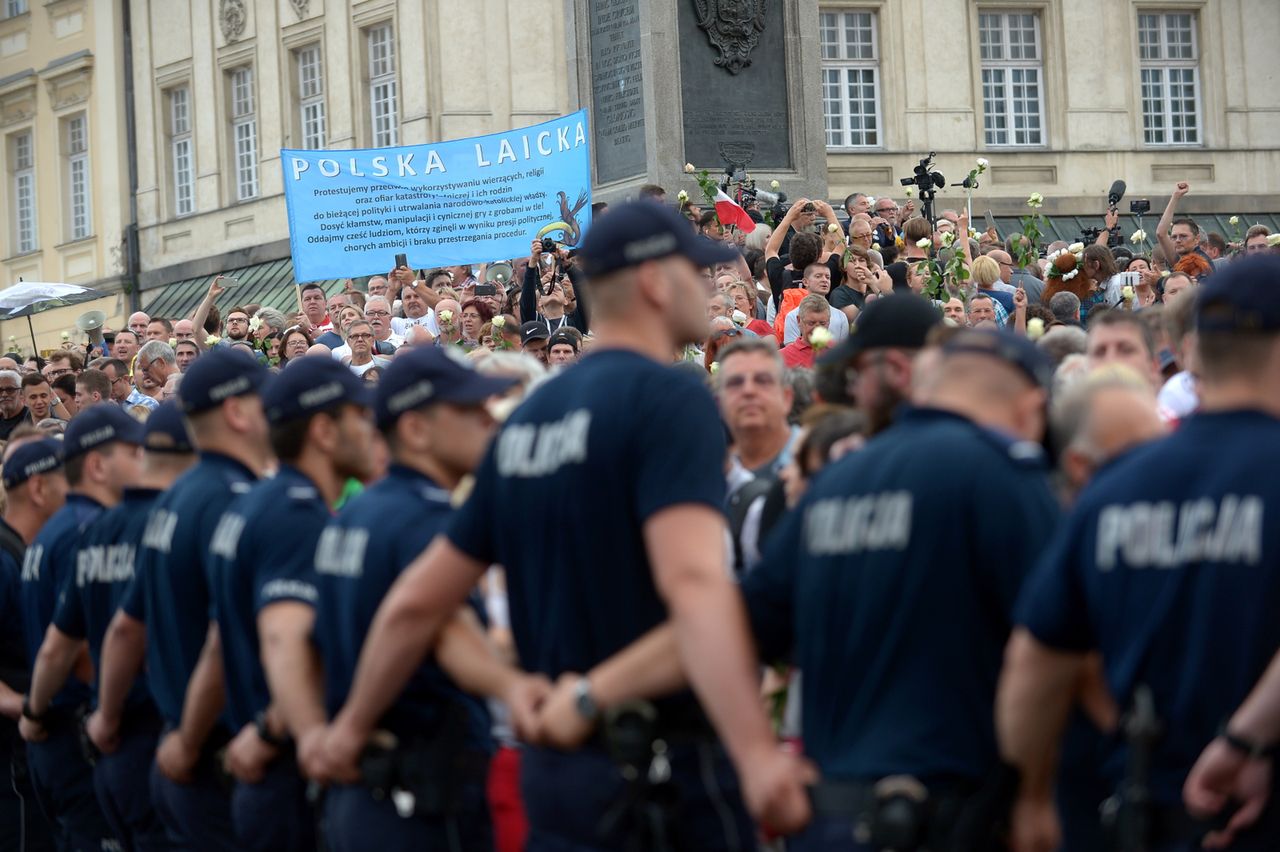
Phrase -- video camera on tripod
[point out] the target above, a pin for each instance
(1089, 236)
(738, 185)
(927, 182)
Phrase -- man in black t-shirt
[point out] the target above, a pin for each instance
(12, 411)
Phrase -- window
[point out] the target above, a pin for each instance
(1009, 44)
(22, 164)
(244, 133)
(380, 42)
(1168, 58)
(13, 8)
(310, 96)
(76, 152)
(850, 78)
(182, 172)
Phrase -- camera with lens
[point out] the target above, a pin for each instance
(1138, 206)
(548, 245)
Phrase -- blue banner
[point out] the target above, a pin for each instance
(444, 204)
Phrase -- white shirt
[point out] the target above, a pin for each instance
(839, 326)
(364, 368)
(1178, 397)
(401, 325)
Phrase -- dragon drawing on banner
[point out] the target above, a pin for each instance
(568, 225)
(733, 27)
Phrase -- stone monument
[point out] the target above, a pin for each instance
(709, 82)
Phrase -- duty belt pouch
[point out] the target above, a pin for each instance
(647, 811)
(421, 777)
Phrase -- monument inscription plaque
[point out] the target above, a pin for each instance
(740, 117)
(617, 97)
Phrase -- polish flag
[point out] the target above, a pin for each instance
(729, 213)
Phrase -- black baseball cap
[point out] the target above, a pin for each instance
(1243, 297)
(899, 320)
(98, 426)
(1014, 349)
(32, 458)
(310, 384)
(638, 231)
(218, 375)
(562, 336)
(429, 375)
(166, 431)
(533, 330)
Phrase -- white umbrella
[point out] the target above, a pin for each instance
(31, 297)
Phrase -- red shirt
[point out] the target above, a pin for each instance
(798, 353)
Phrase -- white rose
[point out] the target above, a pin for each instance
(445, 316)
(255, 323)
(1035, 200)
(774, 185)
(1139, 236)
(833, 228)
(498, 321)
(715, 367)
(948, 239)
(1126, 293)
(1273, 240)
(911, 193)
(688, 168)
(682, 195)
(982, 162)
(739, 318)
(1234, 220)
(1035, 328)
(66, 336)
(1076, 248)
(820, 338)
(212, 340)
(924, 243)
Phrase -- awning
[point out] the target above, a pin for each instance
(270, 284)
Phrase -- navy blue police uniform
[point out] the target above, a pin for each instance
(361, 553)
(599, 450)
(170, 594)
(104, 571)
(23, 827)
(262, 553)
(60, 771)
(891, 587)
(1170, 567)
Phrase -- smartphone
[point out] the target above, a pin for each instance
(1130, 279)
(228, 281)
(486, 290)
(990, 221)
(401, 260)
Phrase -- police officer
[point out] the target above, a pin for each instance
(35, 487)
(891, 587)
(104, 570)
(170, 599)
(264, 594)
(101, 457)
(431, 410)
(1169, 565)
(626, 454)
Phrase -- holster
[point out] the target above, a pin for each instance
(422, 776)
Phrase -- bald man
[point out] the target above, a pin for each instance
(138, 323)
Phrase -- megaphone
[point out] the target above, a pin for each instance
(90, 320)
(498, 273)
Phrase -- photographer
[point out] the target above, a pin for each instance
(803, 252)
(550, 295)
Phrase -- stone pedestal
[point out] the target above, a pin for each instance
(711, 82)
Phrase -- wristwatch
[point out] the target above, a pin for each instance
(582, 700)
(264, 731)
(1248, 748)
(28, 713)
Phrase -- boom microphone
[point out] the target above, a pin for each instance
(1116, 193)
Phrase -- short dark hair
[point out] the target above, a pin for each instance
(311, 286)
(168, 326)
(33, 379)
(74, 467)
(1102, 319)
(708, 217)
(121, 368)
(237, 309)
(66, 384)
(806, 247)
(916, 228)
(93, 381)
(72, 358)
(1190, 223)
(1217, 241)
(289, 438)
(1257, 231)
(651, 190)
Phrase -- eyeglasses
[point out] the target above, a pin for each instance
(236, 319)
(53, 374)
(6, 390)
(764, 380)
(893, 209)
(377, 313)
(726, 332)
(360, 337)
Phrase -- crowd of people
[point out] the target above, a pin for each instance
(859, 531)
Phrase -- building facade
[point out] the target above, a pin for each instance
(1061, 96)
(63, 129)
(222, 85)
